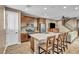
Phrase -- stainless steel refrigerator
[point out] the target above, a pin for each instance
(42, 28)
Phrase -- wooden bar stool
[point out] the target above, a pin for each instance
(65, 41)
(47, 46)
(58, 46)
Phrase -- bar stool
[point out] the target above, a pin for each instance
(65, 41)
(58, 46)
(61, 43)
(47, 46)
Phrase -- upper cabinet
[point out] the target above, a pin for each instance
(25, 20)
(42, 21)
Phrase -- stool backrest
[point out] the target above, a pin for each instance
(50, 41)
(65, 35)
(60, 37)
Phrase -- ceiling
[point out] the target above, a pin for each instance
(49, 11)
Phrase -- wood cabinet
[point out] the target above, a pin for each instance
(53, 30)
(26, 20)
(24, 37)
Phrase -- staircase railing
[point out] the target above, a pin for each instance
(70, 27)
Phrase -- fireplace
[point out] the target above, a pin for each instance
(52, 25)
(52, 28)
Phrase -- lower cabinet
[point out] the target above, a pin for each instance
(24, 37)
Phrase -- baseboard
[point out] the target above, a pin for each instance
(5, 50)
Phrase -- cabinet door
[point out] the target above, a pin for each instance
(24, 37)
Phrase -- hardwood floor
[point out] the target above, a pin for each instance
(24, 48)
(73, 48)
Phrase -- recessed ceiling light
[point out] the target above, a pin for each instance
(64, 7)
(45, 8)
(76, 8)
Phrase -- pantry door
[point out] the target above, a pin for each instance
(12, 28)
